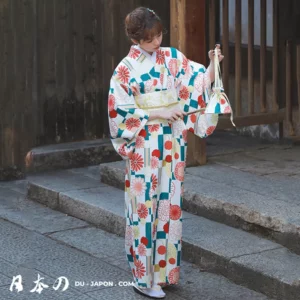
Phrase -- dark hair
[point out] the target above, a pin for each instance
(143, 24)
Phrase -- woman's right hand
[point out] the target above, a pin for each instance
(172, 115)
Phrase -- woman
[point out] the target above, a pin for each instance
(153, 92)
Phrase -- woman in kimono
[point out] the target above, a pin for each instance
(153, 92)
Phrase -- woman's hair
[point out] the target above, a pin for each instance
(143, 24)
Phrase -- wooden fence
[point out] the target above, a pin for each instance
(57, 57)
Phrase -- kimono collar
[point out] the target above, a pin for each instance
(136, 51)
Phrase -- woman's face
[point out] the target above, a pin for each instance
(151, 45)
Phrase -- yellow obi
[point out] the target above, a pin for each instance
(157, 100)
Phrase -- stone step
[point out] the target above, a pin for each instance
(246, 259)
(70, 155)
(267, 207)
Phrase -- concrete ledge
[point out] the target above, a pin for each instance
(70, 155)
(221, 249)
(239, 202)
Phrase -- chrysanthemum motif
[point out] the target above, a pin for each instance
(142, 250)
(134, 53)
(132, 124)
(173, 190)
(175, 231)
(186, 67)
(153, 128)
(199, 83)
(123, 74)
(137, 186)
(227, 110)
(113, 127)
(154, 182)
(210, 130)
(174, 275)
(173, 66)
(179, 171)
(111, 102)
(164, 210)
(140, 269)
(184, 93)
(185, 135)
(128, 236)
(140, 142)
(154, 162)
(175, 212)
(160, 57)
(142, 210)
(136, 162)
(170, 82)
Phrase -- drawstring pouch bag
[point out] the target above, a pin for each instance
(218, 101)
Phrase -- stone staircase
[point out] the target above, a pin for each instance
(241, 211)
(239, 232)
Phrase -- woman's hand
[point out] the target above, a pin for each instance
(211, 53)
(172, 115)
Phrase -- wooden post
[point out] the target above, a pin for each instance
(188, 35)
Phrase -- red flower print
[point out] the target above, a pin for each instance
(168, 158)
(111, 102)
(162, 263)
(175, 212)
(143, 133)
(142, 250)
(161, 78)
(179, 171)
(199, 84)
(153, 128)
(222, 101)
(173, 66)
(160, 57)
(227, 110)
(184, 93)
(113, 113)
(132, 124)
(163, 210)
(127, 183)
(174, 275)
(154, 162)
(210, 130)
(136, 162)
(140, 142)
(122, 150)
(134, 53)
(161, 250)
(193, 118)
(185, 64)
(123, 74)
(176, 155)
(168, 145)
(140, 269)
(124, 87)
(144, 240)
(191, 129)
(201, 102)
(156, 153)
(167, 53)
(154, 182)
(166, 228)
(142, 210)
(172, 260)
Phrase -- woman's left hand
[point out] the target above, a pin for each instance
(211, 53)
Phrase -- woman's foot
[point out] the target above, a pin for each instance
(154, 292)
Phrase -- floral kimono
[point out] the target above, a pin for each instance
(155, 153)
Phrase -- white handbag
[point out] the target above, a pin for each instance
(218, 101)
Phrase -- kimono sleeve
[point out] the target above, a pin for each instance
(194, 89)
(126, 120)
